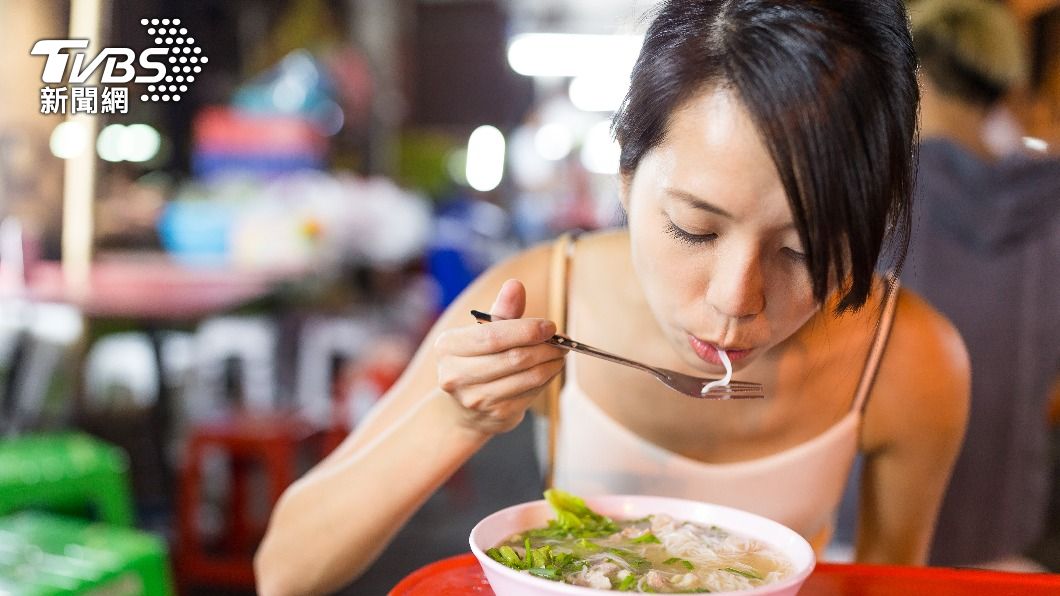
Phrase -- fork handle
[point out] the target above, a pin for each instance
(562, 341)
(567, 343)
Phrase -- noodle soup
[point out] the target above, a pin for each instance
(656, 553)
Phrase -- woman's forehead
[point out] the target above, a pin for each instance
(713, 150)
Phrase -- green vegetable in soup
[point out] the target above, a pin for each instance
(573, 519)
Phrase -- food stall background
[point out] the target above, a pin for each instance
(333, 174)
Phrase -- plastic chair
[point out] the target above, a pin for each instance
(247, 436)
(274, 441)
(122, 360)
(34, 337)
(250, 341)
(44, 554)
(66, 472)
(323, 340)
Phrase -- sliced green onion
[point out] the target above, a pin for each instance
(545, 572)
(511, 558)
(749, 574)
(646, 538)
(627, 583)
(676, 561)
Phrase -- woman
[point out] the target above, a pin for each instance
(767, 153)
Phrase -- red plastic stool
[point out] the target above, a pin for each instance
(274, 441)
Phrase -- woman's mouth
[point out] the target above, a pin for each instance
(708, 352)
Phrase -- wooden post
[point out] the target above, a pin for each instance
(79, 180)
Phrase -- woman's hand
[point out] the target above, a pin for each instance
(495, 371)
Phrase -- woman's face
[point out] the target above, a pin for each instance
(714, 245)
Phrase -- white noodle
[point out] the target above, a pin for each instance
(724, 380)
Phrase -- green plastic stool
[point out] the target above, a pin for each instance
(43, 554)
(65, 472)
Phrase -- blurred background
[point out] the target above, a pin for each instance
(202, 294)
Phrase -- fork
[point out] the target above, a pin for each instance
(680, 382)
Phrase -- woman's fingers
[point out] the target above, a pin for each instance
(495, 337)
(461, 371)
(510, 392)
(510, 302)
(493, 371)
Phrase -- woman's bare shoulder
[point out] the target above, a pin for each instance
(595, 256)
(532, 267)
(925, 343)
(924, 380)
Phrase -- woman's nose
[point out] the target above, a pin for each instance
(736, 289)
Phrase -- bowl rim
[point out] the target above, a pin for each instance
(795, 579)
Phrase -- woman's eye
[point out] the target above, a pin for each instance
(794, 254)
(688, 237)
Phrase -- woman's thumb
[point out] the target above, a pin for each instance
(511, 300)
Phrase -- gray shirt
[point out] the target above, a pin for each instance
(985, 251)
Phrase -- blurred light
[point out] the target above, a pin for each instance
(553, 141)
(485, 158)
(600, 152)
(140, 143)
(109, 143)
(136, 142)
(569, 55)
(456, 165)
(528, 168)
(289, 94)
(69, 139)
(329, 118)
(598, 93)
(1036, 144)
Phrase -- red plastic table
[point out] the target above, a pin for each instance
(462, 576)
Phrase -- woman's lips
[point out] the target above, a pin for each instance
(709, 352)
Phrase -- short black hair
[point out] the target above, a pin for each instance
(831, 87)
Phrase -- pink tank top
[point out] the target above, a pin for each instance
(800, 487)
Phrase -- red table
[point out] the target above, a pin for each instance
(462, 576)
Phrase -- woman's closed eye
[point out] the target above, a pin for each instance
(688, 237)
(794, 254)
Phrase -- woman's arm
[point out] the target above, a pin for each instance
(334, 522)
(912, 433)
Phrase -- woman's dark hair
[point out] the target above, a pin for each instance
(831, 87)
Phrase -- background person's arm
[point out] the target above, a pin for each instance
(333, 523)
(913, 430)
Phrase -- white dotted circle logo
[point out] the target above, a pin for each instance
(168, 34)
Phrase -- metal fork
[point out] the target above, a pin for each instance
(680, 382)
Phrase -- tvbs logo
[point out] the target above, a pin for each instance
(119, 64)
(168, 68)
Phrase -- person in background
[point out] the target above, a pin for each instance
(985, 251)
(767, 159)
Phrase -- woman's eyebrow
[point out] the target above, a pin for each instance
(704, 205)
(697, 202)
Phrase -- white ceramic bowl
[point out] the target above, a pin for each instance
(509, 582)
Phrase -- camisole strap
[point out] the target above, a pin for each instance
(557, 312)
(879, 344)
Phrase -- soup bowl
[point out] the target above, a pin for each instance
(504, 581)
